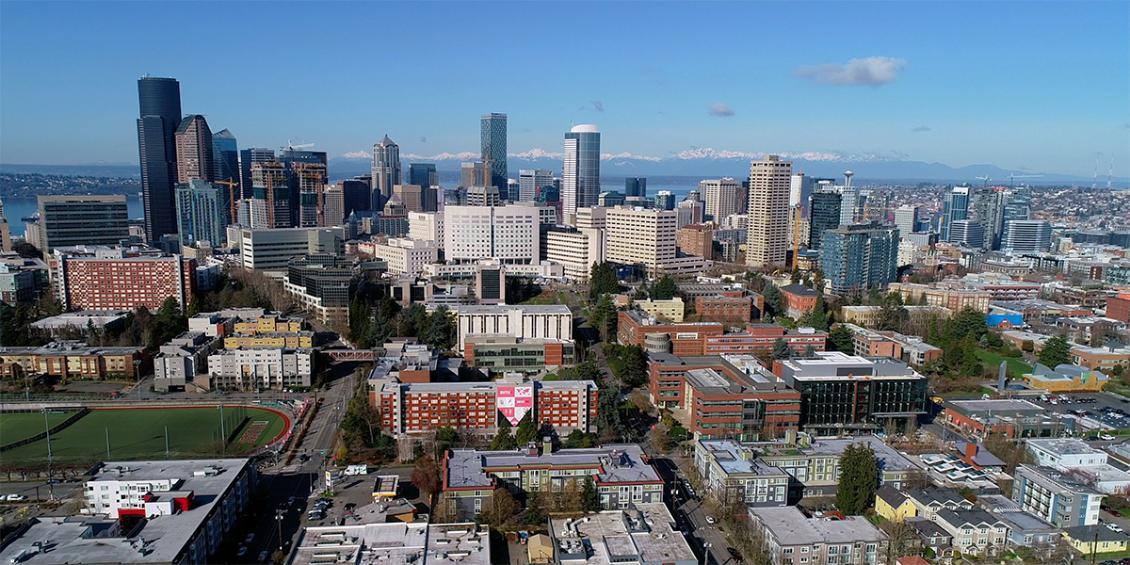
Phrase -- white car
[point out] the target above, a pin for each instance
(1106, 437)
(710, 519)
(15, 498)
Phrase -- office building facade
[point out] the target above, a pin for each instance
(202, 212)
(159, 105)
(531, 182)
(638, 236)
(824, 216)
(225, 159)
(423, 174)
(386, 172)
(1026, 236)
(722, 197)
(955, 206)
(492, 133)
(580, 173)
(509, 234)
(767, 235)
(66, 221)
(194, 150)
(858, 258)
(635, 186)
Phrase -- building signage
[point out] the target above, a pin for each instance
(515, 401)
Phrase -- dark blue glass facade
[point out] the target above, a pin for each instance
(159, 116)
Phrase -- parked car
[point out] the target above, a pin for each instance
(710, 519)
(15, 497)
(263, 555)
(242, 551)
(1106, 437)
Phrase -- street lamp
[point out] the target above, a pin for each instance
(280, 513)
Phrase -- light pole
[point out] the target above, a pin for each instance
(280, 513)
(47, 431)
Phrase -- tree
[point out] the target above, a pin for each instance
(441, 331)
(502, 508)
(577, 438)
(892, 315)
(170, 321)
(634, 363)
(859, 478)
(446, 436)
(664, 288)
(773, 299)
(590, 499)
(817, 317)
(535, 512)
(604, 317)
(504, 439)
(602, 280)
(1057, 351)
(425, 475)
(527, 430)
(781, 349)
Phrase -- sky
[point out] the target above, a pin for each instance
(1027, 85)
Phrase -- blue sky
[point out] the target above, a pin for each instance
(1039, 85)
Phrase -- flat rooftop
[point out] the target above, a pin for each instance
(1063, 446)
(643, 534)
(889, 459)
(998, 407)
(791, 527)
(614, 464)
(733, 458)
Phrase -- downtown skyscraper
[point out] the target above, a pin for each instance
(580, 173)
(492, 131)
(386, 172)
(225, 157)
(767, 233)
(195, 159)
(159, 116)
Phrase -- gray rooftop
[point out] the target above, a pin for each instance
(791, 527)
(643, 534)
(998, 407)
(888, 458)
(611, 464)
(733, 458)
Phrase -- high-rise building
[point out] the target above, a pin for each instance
(580, 173)
(987, 207)
(906, 220)
(270, 200)
(1017, 204)
(159, 104)
(225, 158)
(1026, 236)
(66, 221)
(333, 207)
(310, 179)
(386, 172)
(248, 157)
(665, 200)
(955, 206)
(202, 212)
(722, 197)
(800, 191)
(416, 198)
(767, 236)
(194, 149)
(5, 230)
(824, 216)
(635, 186)
(423, 174)
(638, 236)
(507, 233)
(690, 211)
(493, 136)
(356, 193)
(483, 196)
(858, 258)
(531, 182)
(967, 233)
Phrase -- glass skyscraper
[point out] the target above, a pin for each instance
(493, 137)
(249, 157)
(225, 157)
(824, 216)
(202, 211)
(858, 258)
(386, 172)
(955, 206)
(423, 174)
(580, 175)
(159, 115)
(635, 186)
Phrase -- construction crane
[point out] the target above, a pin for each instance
(985, 179)
(796, 236)
(232, 185)
(291, 146)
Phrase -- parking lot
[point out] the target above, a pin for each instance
(1111, 411)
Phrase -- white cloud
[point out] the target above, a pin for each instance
(628, 156)
(869, 71)
(536, 153)
(720, 109)
(357, 155)
(709, 153)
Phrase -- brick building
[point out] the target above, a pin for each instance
(799, 299)
(125, 283)
(686, 338)
(501, 354)
(723, 395)
(1118, 307)
(73, 360)
(760, 338)
(729, 306)
(696, 239)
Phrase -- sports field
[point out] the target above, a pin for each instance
(140, 433)
(22, 425)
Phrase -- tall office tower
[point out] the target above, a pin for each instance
(1017, 204)
(492, 129)
(636, 236)
(609, 198)
(512, 194)
(474, 173)
(416, 198)
(906, 220)
(987, 207)
(635, 186)
(202, 212)
(858, 258)
(248, 157)
(507, 233)
(483, 196)
(849, 201)
(824, 215)
(580, 173)
(689, 211)
(768, 228)
(665, 200)
(356, 191)
(225, 158)
(310, 179)
(194, 149)
(1026, 236)
(290, 157)
(65, 221)
(423, 174)
(159, 104)
(386, 171)
(531, 181)
(967, 233)
(270, 202)
(800, 192)
(333, 207)
(955, 206)
(722, 197)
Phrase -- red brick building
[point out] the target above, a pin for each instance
(726, 307)
(125, 283)
(696, 239)
(759, 338)
(413, 409)
(799, 299)
(724, 396)
(1118, 307)
(686, 338)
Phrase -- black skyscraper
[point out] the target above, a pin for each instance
(159, 102)
(825, 215)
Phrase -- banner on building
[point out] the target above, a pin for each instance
(515, 401)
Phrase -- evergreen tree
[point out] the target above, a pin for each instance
(527, 430)
(781, 349)
(602, 280)
(604, 317)
(535, 511)
(664, 289)
(1056, 351)
(505, 437)
(817, 317)
(840, 339)
(590, 498)
(441, 332)
(859, 478)
(773, 299)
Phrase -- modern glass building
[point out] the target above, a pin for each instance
(955, 206)
(202, 211)
(423, 175)
(635, 186)
(858, 258)
(531, 182)
(580, 175)
(249, 157)
(968, 233)
(665, 200)
(493, 136)
(825, 215)
(225, 155)
(65, 221)
(160, 114)
(1026, 236)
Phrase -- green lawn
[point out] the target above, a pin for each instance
(1016, 366)
(15, 426)
(140, 434)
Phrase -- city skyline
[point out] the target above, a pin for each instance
(869, 96)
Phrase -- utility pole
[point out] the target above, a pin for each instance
(47, 431)
(107, 442)
(166, 442)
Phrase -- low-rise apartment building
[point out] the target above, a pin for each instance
(72, 360)
(795, 539)
(1055, 497)
(733, 473)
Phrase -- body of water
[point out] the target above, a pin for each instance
(15, 209)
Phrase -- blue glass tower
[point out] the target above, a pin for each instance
(159, 115)
(493, 138)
